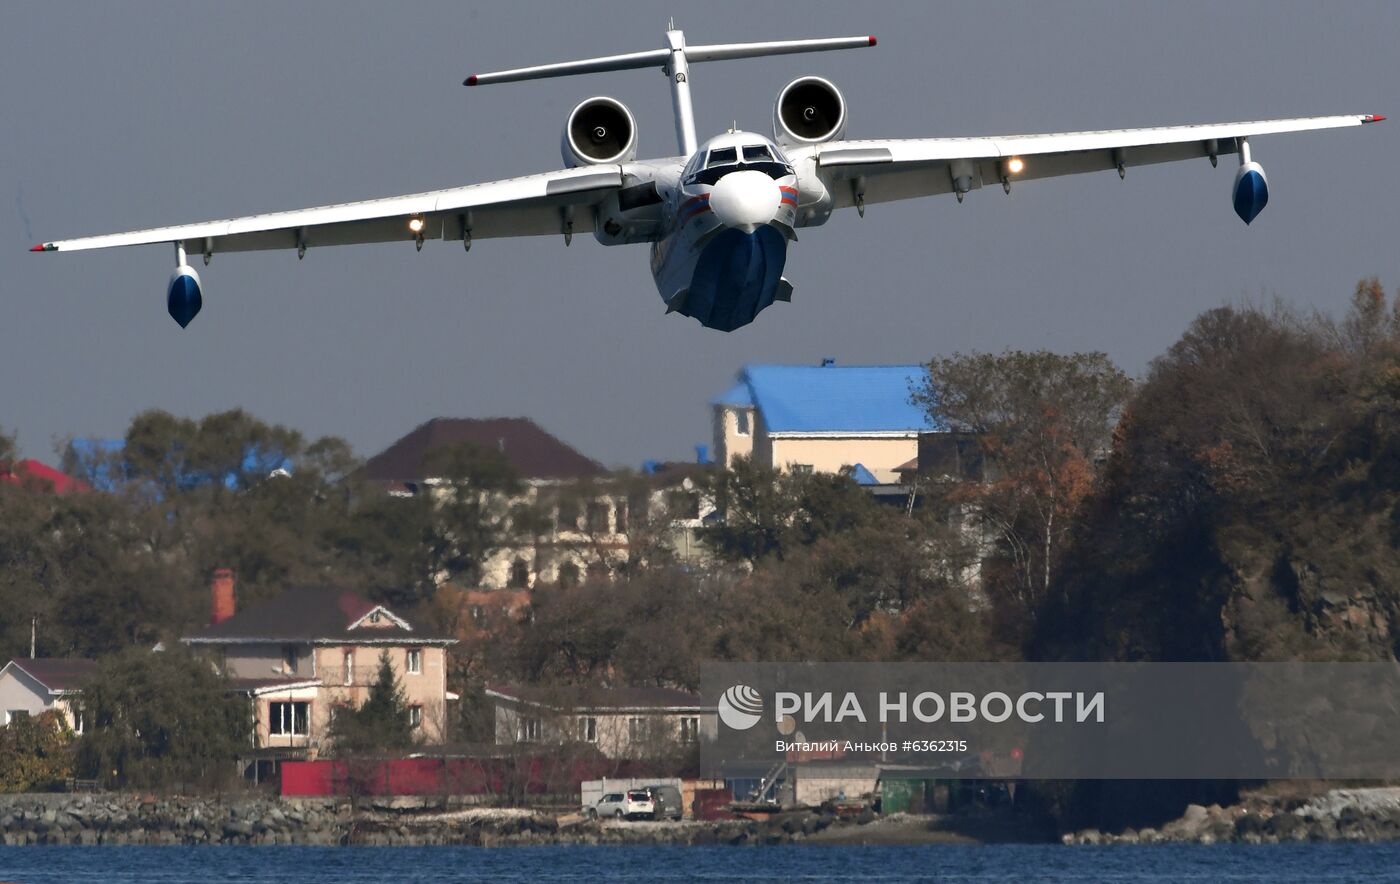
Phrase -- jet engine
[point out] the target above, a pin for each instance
(809, 110)
(599, 131)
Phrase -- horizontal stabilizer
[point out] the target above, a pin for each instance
(659, 58)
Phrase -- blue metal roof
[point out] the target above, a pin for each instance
(862, 476)
(737, 396)
(833, 398)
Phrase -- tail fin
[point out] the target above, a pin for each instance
(660, 57)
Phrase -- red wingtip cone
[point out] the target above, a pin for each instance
(1376, 118)
(471, 81)
(872, 40)
(39, 248)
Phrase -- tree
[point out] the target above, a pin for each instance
(161, 720)
(36, 752)
(769, 514)
(472, 516)
(380, 723)
(1248, 509)
(1043, 420)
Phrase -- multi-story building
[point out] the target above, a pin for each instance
(623, 723)
(313, 650)
(822, 418)
(583, 519)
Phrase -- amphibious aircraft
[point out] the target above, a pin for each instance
(720, 215)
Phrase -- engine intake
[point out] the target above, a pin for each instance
(600, 130)
(809, 110)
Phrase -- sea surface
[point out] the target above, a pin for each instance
(958, 863)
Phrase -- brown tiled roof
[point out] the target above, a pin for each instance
(307, 613)
(533, 453)
(601, 699)
(58, 673)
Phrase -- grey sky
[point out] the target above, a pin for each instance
(121, 116)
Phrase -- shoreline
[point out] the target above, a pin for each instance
(116, 819)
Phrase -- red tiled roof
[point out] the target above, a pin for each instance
(532, 452)
(57, 673)
(41, 474)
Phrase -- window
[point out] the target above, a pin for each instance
(519, 574)
(529, 730)
(14, 714)
(415, 716)
(415, 661)
(289, 659)
(684, 504)
(802, 469)
(741, 421)
(588, 729)
(721, 156)
(723, 160)
(598, 517)
(288, 719)
(620, 514)
(349, 667)
(478, 614)
(566, 518)
(690, 729)
(78, 723)
(636, 730)
(568, 574)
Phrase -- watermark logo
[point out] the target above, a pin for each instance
(740, 707)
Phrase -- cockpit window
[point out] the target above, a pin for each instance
(721, 156)
(723, 160)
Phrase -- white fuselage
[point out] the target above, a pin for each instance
(719, 225)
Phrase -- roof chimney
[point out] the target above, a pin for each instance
(222, 596)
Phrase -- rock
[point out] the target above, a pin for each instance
(1196, 814)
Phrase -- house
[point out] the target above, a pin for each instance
(587, 519)
(31, 685)
(314, 649)
(823, 418)
(620, 723)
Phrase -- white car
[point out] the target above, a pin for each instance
(632, 804)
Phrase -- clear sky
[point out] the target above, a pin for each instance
(115, 116)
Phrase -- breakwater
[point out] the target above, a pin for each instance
(1364, 814)
(123, 819)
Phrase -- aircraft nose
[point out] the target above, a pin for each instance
(746, 200)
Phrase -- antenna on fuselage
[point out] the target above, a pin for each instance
(675, 61)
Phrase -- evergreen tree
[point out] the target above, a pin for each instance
(381, 722)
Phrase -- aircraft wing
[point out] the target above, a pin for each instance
(534, 205)
(904, 168)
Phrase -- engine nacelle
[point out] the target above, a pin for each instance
(809, 110)
(599, 131)
(182, 297)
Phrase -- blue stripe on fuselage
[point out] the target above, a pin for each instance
(736, 276)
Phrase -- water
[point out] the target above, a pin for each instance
(954, 863)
